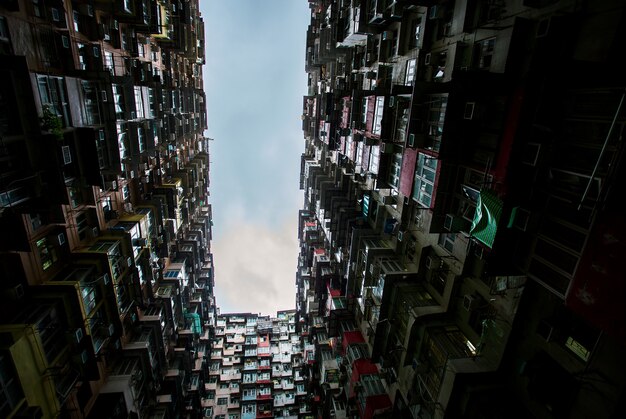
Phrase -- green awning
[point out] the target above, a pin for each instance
(486, 218)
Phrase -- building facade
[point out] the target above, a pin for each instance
(256, 368)
(460, 235)
(106, 267)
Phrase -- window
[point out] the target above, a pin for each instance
(10, 390)
(91, 107)
(374, 159)
(446, 240)
(76, 18)
(52, 94)
(108, 62)
(139, 102)
(364, 111)
(4, 30)
(47, 253)
(141, 139)
(416, 28)
(423, 189)
(378, 115)
(118, 100)
(409, 78)
(222, 401)
(484, 53)
(37, 7)
(394, 171)
(248, 408)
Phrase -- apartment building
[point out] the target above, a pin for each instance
(256, 368)
(106, 268)
(460, 233)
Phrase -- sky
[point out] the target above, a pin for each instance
(254, 80)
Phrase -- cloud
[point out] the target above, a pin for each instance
(255, 267)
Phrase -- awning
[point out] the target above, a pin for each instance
(486, 218)
(351, 337)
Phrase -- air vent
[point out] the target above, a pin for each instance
(469, 110)
(433, 262)
(410, 142)
(67, 154)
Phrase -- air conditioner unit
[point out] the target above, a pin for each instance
(479, 252)
(94, 232)
(16, 292)
(410, 141)
(433, 12)
(455, 224)
(112, 185)
(545, 330)
(67, 154)
(61, 239)
(128, 262)
(433, 262)
(77, 336)
(140, 242)
(469, 302)
(372, 268)
(469, 110)
(427, 58)
(388, 200)
(386, 148)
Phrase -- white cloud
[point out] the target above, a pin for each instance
(255, 267)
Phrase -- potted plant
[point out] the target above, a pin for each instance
(50, 121)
